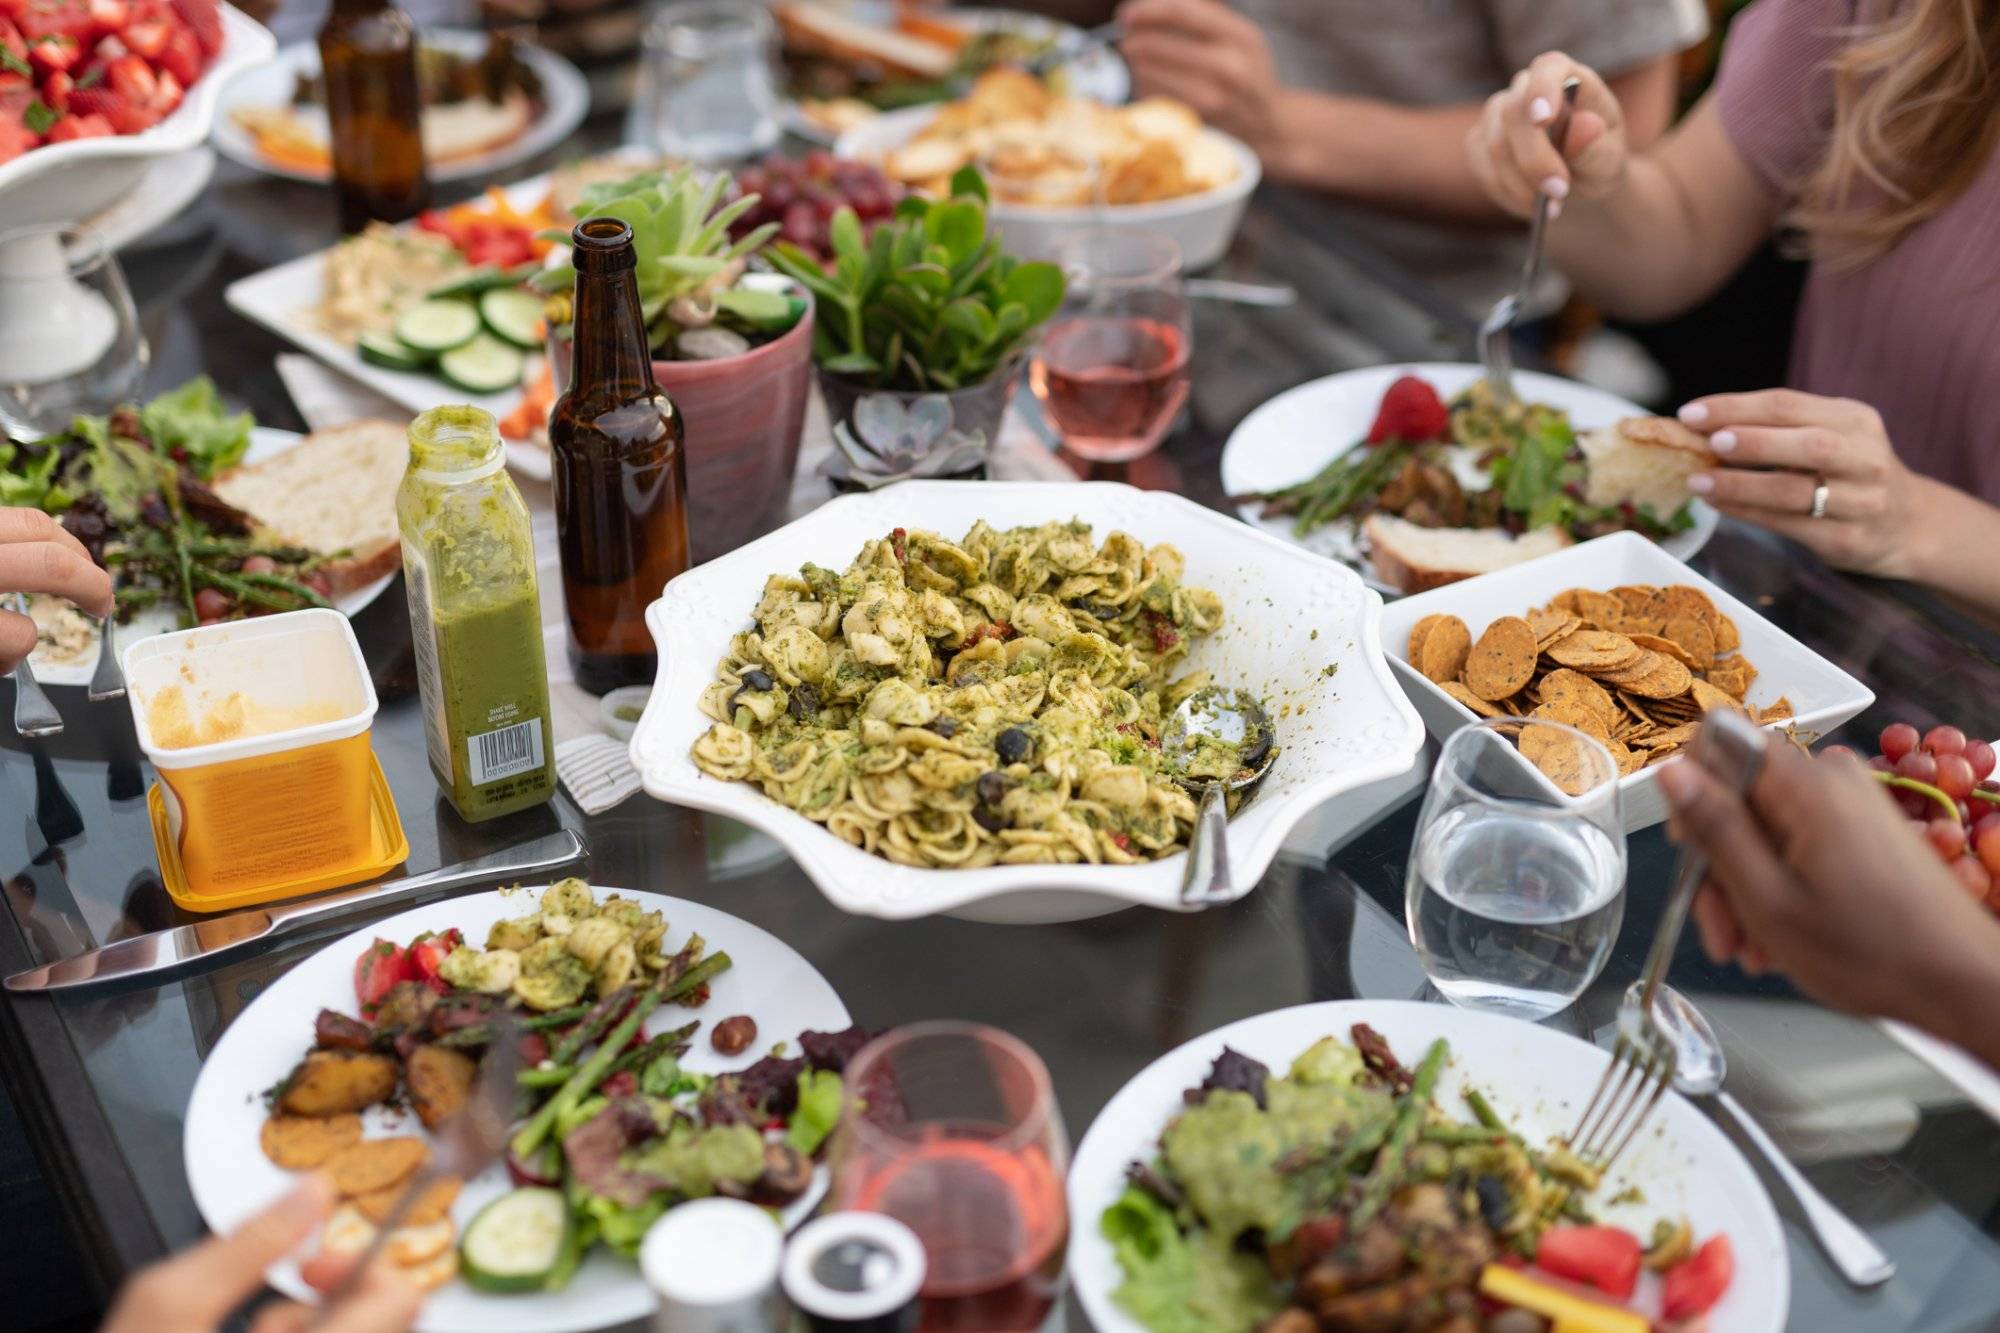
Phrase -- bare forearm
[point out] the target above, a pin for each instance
(1407, 159)
(1953, 526)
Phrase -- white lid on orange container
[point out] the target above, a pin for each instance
(296, 661)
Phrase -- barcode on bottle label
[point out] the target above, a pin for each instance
(503, 753)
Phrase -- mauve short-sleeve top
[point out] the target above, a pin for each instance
(1916, 333)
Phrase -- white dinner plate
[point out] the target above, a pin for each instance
(1538, 1079)
(280, 297)
(231, 1178)
(1098, 74)
(1303, 429)
(565, 102)
(265, 443)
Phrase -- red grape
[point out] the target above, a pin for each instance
(212, 604)
(1918, 765)
(1973, 877)
(1914, 804)
(1840, 749)
(1947, 836)
(1980, 755)
(1954, 776)
(1987, 844)
(1882, 763)
(1898, 739)
(1987, 821)
(1944, 740)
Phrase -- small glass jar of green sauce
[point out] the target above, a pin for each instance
(475, 617)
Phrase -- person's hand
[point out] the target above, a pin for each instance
(1509, 149)
(1208, 56)
(37, 555)
(1818, 874)
(1780, 444)
(195, 1292)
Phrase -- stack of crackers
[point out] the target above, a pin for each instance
(1635, 667)
(371, 1176)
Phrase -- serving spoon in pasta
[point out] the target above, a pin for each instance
(1219, 741)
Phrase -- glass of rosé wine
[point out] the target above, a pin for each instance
(1111, 370)
(952, 1129)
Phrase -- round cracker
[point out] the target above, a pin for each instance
(302, 1142)
(1566, 683)
(1456, 689)
(1727, 639)
(1564, 758)
(434, 1203)
(1595, 651)
(1418, 632)
(1503, 660)
(1661, 644)
(1708, 698)
(1668, 679)
(1445, 648)
(346, 1232)
(1695, 638)
(1574, 713)
(375, 1164)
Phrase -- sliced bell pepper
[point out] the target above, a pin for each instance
(1566, 1311)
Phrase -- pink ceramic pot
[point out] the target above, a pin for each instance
(743, 417)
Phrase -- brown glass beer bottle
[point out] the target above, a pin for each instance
(368, 53)
(619, 471)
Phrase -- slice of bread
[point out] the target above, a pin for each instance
(1644, 462)
(335, 490)
(818, 30)
(1415, 559)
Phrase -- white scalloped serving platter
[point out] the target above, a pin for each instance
(1301, 632)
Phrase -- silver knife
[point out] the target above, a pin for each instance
(177, 949)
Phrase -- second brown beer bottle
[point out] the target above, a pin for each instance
(374, 110)
(619, 472)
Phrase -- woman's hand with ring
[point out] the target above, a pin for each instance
(1777, 446)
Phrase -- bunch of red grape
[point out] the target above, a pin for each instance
(801, 195)
(1941, 770)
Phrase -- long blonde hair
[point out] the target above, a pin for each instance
(1916, 114)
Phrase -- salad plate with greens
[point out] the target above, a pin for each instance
(1427, 447)
(668, 1052)
(1390, 1165)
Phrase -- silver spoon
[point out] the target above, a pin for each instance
(1233, 720)
(1698, 1072)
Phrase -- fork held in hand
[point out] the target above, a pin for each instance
(1496, 352)
(1731, 747)
(34, 715)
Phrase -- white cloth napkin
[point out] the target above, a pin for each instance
(593, 767)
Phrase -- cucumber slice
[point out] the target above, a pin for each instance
(514, 314)
(390, 352)
(516, 1241)
(483, 277)
(484, 365)
(438, 326)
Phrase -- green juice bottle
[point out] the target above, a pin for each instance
(475, 617)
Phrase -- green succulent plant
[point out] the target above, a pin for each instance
(687, 266)
(929, 301)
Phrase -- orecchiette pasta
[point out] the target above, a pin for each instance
(993, 700)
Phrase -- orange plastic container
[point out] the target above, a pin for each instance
(259, 730)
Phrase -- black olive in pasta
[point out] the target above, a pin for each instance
(1012, 745)
(992, 787)
(988, 818)
(754, 679)
(944, 727)
(804, 703)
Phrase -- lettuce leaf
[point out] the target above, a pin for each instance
(1177, 1283)
(191, 419)
(818, 1110)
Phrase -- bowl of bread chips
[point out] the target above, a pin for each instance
(1150, 164)
(1621, 641)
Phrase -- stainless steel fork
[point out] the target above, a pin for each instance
(34, 715)
(1731, 747)
(1496, 351)
(108, 681)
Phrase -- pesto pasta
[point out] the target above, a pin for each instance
(993, 700)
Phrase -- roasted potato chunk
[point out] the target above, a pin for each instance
(439, 1079)
(300, 1143)
(328, 1083)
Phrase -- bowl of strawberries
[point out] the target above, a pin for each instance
(92, 90)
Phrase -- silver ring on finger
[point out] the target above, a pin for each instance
(1818, 509)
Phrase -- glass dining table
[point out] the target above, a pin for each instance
(102, 1079)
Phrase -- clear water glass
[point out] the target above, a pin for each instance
(1516, 885)
(70, 341)
(708, 88)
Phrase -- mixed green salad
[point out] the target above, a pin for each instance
(1342, 1196)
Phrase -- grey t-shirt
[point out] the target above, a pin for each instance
(1445, 52)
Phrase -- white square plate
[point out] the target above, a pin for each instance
(1822, 695)
(1300, 632)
